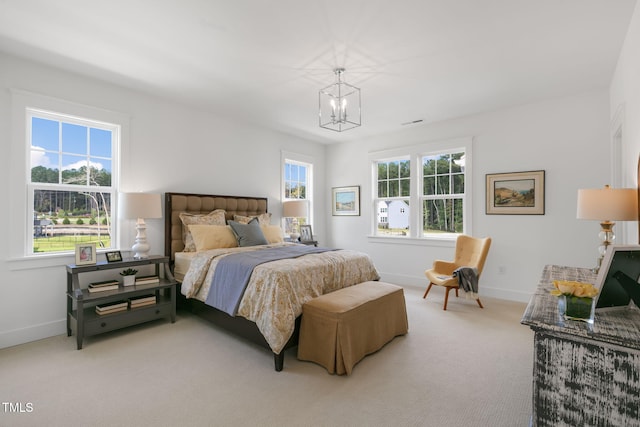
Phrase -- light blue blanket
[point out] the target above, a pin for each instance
(232, 273)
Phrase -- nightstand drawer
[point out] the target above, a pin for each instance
(109, 322)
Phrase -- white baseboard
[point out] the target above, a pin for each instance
(421, 283)
(32, 333)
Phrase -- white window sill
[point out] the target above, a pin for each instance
(448, 242)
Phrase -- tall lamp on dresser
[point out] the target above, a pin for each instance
(607, 205)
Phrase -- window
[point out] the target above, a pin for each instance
(297, 179)
(71, 183)
(433, 179)
(394, 191)
(48, 182)
(443, 193)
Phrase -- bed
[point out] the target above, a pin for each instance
(269, 311)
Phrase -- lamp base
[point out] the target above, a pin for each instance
(141, 248)
(607, 236)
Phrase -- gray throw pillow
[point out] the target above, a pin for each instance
(249, 234)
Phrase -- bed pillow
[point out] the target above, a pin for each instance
(273, 233)
(212, 218)
(249, 234)
(263, 219)
(212, 237)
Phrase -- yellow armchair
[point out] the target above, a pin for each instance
(470, 252)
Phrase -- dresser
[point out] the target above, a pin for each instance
(583, 374)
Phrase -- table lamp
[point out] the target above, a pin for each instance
(607, 205)
(295, 209)
(139, 206)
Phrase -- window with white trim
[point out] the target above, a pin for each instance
(71, 181)
(424, 191)
(443, 185)
(393, 182)
(297, 184)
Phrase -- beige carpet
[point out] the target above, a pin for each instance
(463, 367)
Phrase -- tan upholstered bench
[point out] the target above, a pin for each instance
(340, 328)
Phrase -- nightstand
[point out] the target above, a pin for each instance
(83, 316)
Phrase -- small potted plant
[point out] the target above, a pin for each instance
(129, 276)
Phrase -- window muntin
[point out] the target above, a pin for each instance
(71, 181)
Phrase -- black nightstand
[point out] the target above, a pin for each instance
(81, 304)
(309, 242)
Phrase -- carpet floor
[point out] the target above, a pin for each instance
(462, 367)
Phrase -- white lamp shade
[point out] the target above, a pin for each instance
(295, 209)
(140, 205)
(608, 204)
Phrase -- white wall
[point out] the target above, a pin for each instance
(625, 106)
(566, 137)
(172, 148)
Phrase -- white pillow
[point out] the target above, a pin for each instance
(212, 236)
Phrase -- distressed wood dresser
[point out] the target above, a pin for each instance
(583, 374)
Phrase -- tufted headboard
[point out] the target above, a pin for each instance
(202, 204)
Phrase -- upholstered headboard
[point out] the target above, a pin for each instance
(175, 203)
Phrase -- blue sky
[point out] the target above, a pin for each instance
(69, 148)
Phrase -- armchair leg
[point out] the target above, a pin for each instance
(446, 296)
(427, 291)
(479, 303)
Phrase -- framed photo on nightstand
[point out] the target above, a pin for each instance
(305, 233)
(85, 253)
(114, 256)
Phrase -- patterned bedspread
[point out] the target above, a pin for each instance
(278, 289)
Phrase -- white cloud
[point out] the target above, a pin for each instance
(39, 158)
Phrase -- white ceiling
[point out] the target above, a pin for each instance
(265, 61)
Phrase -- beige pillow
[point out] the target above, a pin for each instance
(273, 233)
(263, 219)
(212, 237)
(212, 218)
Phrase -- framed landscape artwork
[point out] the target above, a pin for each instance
(346, 200)
(515, 193)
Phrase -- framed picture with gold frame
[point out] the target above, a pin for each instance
(515, 193)
(85, 253)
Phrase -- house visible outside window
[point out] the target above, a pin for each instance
(423, 192)
(393, 194)
(71, 182)
(297, 184)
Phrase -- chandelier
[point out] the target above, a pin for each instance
(339, 105)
